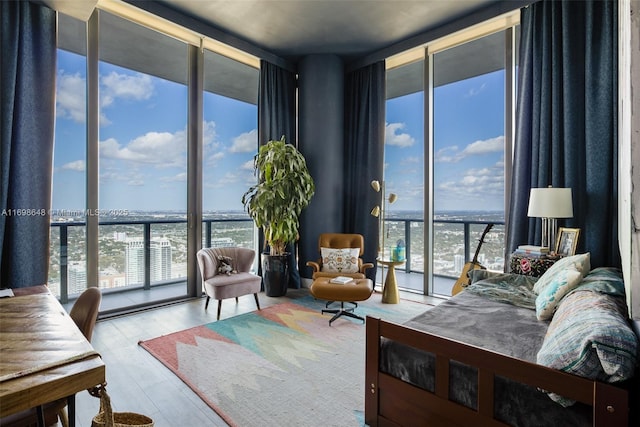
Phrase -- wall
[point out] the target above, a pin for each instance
(629, 155)
(321, 141)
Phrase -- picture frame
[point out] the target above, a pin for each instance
(567, 241)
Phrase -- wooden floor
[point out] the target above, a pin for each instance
(137, 382)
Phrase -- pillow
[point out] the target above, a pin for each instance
(607, 280)
(557, 281)
(340, 260)
(225, 265)
(590, 336)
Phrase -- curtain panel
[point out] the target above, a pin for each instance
(27, 79)
(277, 118)
(566, 121)
(365, 95)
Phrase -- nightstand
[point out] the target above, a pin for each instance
(530, 266)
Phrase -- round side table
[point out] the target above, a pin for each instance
(390, 294)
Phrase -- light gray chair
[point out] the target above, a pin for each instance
(222, 286)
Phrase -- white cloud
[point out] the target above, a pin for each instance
(135, 183)
(392, 137)
(78, 166)
(162, 149)
(114, 85)
(447, 155)
(248, 165)
(453, 154)
(71, 96)
(245, 143)
(492, 145)
(475, 91)
(215, 158)
(486, 182)
(181, 177)
(71, 93)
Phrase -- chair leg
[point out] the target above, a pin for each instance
(236, 300)
(219, 308)
(342, 311)
(257, 302)
(206, 304)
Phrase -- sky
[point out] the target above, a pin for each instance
(142, 144)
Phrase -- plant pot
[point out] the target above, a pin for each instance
(275, 274)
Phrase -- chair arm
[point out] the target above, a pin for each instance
(314, 265)
(364, 267)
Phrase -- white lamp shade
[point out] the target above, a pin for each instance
(550, 202)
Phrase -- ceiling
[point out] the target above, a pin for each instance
(349, 28)
(291, 29)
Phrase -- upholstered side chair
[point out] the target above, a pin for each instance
(239, 281)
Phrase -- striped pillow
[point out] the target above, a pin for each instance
(590, 336)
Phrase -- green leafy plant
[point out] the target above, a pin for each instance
(285, 187)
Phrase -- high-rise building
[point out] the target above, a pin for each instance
(458, 263)
(159, 260)
(134, 262)
(77, 278)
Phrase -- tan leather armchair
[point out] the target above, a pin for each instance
(340, 241)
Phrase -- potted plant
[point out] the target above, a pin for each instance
(285, 187)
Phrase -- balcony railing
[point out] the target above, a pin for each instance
(454, 241)
(143, 232)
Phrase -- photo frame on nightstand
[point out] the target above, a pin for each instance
(567, 241)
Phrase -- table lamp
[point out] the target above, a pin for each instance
(550, 204)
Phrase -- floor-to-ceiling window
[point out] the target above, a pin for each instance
(404, 164)
(142, 155)
(230, 143)
(69, 172)
(458, 93)
(138, 185)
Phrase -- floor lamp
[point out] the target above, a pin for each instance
(378, 212)
(550, 204)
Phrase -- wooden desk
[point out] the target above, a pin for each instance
(43, 355)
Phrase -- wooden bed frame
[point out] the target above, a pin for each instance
(390, 401)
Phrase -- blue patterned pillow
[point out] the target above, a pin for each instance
(562, 277)
(590, 336)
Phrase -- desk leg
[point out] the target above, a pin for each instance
(390, 294)
(40, 413)
(71, 410)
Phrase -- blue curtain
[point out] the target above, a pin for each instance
(566, 121)
(277, 117)
(28, 76)
(365, 94)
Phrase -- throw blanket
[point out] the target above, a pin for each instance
(508, 288)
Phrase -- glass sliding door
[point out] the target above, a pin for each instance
(404, 169)
(229, 145)
(68, 261)
(142, 157)
(468, 157)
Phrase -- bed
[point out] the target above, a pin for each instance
(476, 358)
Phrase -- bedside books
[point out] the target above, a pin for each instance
(532, 251)
(341, 280)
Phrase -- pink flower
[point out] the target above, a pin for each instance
(525, 265)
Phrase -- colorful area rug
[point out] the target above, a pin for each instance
(279, 366)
